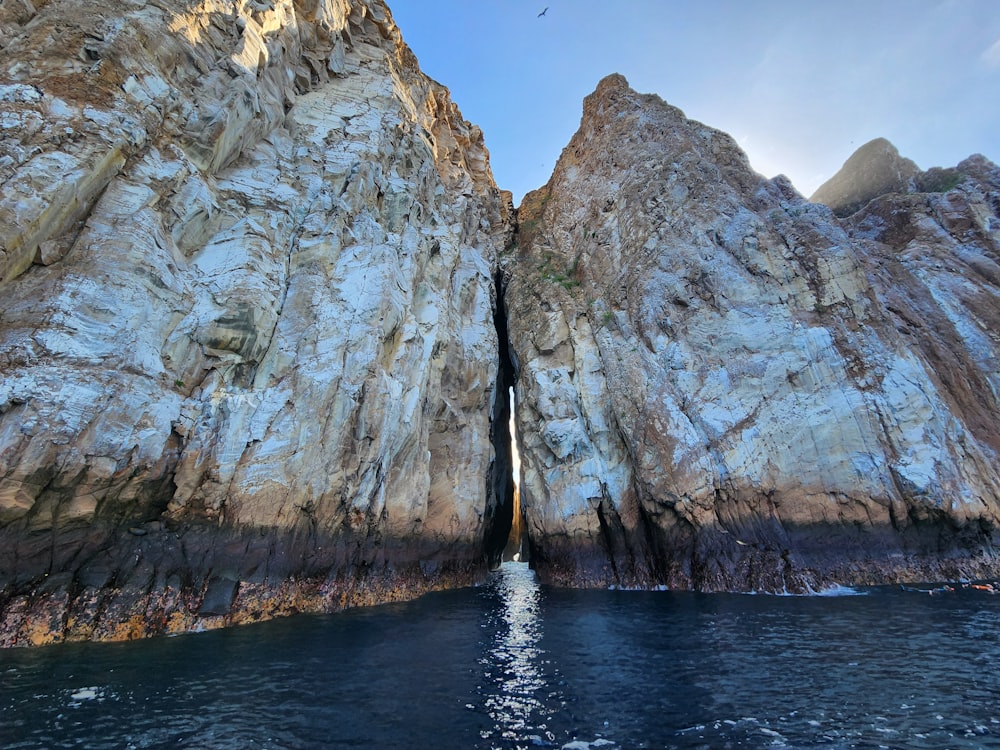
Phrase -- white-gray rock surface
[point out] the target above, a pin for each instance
(715, 390)
(247, 335)
(254, 352)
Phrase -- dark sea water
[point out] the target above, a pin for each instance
(514, 665)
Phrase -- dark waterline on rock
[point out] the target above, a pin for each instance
(512, 664)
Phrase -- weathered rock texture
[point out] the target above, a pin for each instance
(873, 170)
(723, 387)
(248, 355)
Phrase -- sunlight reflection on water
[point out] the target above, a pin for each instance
(513, 662)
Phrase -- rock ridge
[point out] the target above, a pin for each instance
(875, 169)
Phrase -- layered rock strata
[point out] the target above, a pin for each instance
(247, 332)
(721, 386)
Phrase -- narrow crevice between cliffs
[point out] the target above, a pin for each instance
(500, 507)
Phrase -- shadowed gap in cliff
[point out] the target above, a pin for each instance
(501, 479)
(517, 541)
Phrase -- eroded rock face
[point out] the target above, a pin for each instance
(723, 387)
(247, 337)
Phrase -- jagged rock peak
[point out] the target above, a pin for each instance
(636, 126)
(873, 170)
(616, 106)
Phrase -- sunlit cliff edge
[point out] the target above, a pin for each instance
(261, 301)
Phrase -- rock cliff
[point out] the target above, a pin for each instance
(247, 256)
(262, 304)
(722, 386)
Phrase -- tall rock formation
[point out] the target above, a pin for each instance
(247, 342)
(723, 387)
(258, 326)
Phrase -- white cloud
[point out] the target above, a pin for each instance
(992, 55)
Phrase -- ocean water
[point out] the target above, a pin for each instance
(512, 664)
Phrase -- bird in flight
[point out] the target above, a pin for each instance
(544, 11)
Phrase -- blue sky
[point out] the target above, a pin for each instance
(800, 85)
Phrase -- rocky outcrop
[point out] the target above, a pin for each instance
(247, 333)
(873, 170)
(876, 169)
(723, 387)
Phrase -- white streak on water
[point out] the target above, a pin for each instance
(513, 662)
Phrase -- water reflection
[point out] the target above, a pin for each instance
(513, 691)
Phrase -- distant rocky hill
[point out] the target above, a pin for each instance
(261, 303)
(877, 169)
(873, 170)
